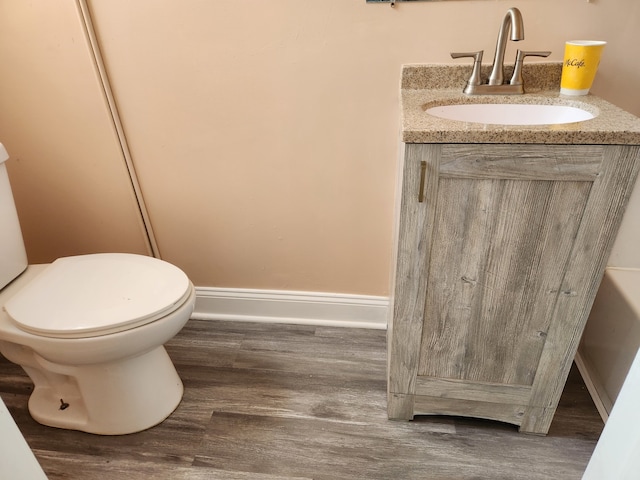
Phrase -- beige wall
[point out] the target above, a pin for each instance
(264, 132)
(72, 190)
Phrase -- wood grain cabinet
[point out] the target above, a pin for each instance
(500, 251)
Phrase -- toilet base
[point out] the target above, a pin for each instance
(113, 384)
(117, 398)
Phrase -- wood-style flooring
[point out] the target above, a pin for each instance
(267, 402)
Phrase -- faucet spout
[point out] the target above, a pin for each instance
(512, 22)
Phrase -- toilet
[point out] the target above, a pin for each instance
(89, 331)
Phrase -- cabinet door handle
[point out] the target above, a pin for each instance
(423, 173)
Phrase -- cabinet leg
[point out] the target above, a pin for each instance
(537, 420)
(400, 406)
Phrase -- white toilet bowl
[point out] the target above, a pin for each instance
(89, 331)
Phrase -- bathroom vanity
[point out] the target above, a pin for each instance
(503, 234)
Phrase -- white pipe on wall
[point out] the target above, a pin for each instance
(85, 17)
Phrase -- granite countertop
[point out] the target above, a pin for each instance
(425, 86)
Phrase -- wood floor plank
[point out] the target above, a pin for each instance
(270, 393)
(298, 402)
(100, 468)
(408, 451)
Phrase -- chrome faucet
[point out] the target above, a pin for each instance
(511, 21)
(512, 26)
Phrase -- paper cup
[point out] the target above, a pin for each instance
(581, 60)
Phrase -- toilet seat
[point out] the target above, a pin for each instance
(92, 295)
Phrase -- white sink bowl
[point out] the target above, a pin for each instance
(511, 114)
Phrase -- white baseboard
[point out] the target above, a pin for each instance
(305, 308)
(595, 388)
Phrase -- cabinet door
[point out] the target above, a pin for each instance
(500, 247)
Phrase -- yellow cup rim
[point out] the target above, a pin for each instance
(587, 43)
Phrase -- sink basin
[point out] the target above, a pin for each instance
(511, 114)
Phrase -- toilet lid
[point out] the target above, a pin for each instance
(92, 295)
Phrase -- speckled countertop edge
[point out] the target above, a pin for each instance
(424, 86)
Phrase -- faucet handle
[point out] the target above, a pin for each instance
(474, 79)
(516, 78)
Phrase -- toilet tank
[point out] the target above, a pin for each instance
(13, 257)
